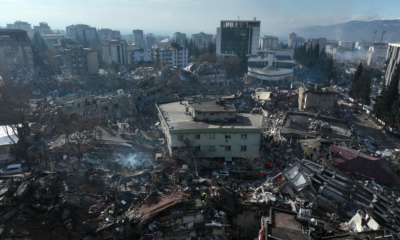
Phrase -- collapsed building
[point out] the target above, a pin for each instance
(208, 73)
(109, 107)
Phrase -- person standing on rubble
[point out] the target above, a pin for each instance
(203, 197)
(305, 154)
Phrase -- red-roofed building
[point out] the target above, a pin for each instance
(353, 160)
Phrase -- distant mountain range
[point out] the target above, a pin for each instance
(355, 31)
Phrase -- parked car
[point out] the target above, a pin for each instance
(221, 173)
(12, 169)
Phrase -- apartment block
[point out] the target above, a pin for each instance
(234, 37)
(268, 42)
(202, 38)
(107, 107)
(114, 50)
(15, 49)
(78, 31)
(170, 54)
(210, 129)
(21, 25)
(106, 33)
(81, 61)
(138, 38)
(392, 59)
(138, 55)
(179, 38)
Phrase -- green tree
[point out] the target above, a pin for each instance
(85, 42)
(204, 49)
(196, 51)
(328, 70)
(243, 61)
(355, 87)
(210, 48)
(383, 108)
(365, 89)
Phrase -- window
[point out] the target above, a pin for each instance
(227, 136)
(244, 136)
(116, 106)
(243, 148)
(197, 136)
(212, 135)
(227, 147)
(180, 137)
(197, 148)
(212, 148)
(174, 148)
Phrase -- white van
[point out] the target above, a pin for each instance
(12, 169)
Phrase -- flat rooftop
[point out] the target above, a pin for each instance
(212, 106)
(175, 117)
(297, 124)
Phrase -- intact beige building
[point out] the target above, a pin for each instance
(212, 129)
(317, 97)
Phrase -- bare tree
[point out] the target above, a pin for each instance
(190, 151)
(75, 130)
(14, 108)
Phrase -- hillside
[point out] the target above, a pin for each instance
(355, 31)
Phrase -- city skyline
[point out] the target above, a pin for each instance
(193, 16)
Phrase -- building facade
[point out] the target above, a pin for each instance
(318, 98)
(272, 68)
(149, 41)
(202, 38)
(348, 45)
(179, 38)
(114, 50)
(43, 28)
(21, 25)
(209, 129)
(15, 49)
(295, 41)
(80, 31)
(392, 59)
(107, 107)
(170, 54)
(81, 61)
(106, 33)
(268, 42)
(234, 37)
(138, 55)
(138, 38)
(377, 54)
(312, 42)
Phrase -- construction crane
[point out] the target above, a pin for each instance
(383, 33)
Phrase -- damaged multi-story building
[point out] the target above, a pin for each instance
(208, 73)
(210, 129)
(317, 97)
(170, 55)
(108, 107)
(15, 49)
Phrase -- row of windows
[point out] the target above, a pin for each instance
(228, 148)
(212, 136)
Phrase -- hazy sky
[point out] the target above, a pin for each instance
(278, 17)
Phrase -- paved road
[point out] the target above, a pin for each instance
(371, 130)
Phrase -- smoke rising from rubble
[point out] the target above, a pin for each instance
(134, 160)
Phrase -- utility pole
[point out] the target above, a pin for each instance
(383, 33)
(373, 39)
